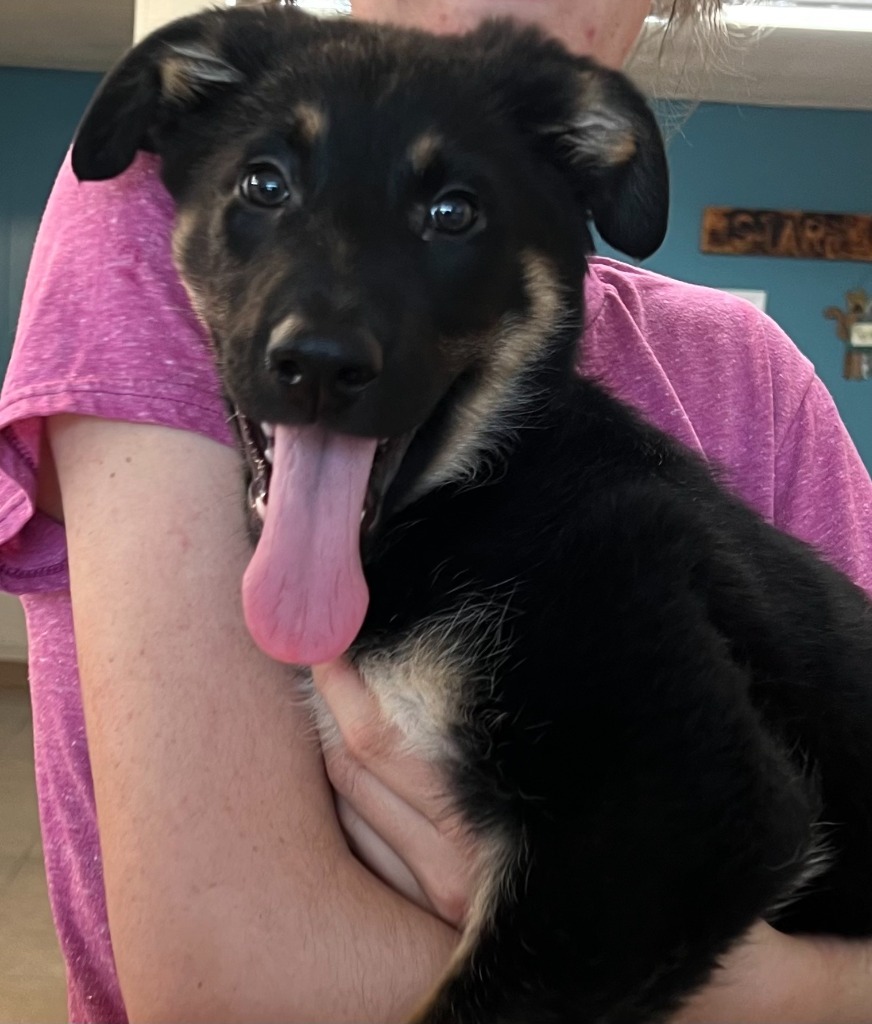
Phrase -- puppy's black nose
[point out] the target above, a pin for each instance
(319, 370)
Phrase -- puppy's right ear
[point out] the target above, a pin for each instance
(169, 72)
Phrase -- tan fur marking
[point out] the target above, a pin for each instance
(184, 225)
(497, 856)
(622, 150)
(188, 71)
(485, 420)
(175, 79)
(284, 330)
(423, 151)
(311, 121)
(218, 307)
(597, 133)
(182, 228)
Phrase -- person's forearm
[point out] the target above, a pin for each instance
(844, 994)
(230, 890)
(367, 958)
(772, 978)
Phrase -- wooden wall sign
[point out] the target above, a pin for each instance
(733, 231)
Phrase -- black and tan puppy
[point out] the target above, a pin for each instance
(645, 700)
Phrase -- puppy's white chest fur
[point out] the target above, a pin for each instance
(424, 683)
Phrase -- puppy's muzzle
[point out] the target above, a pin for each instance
(323, 374)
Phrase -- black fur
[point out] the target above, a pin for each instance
(674, 703)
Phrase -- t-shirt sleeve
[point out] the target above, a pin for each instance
(106, 330)
(723, 378)
(823, 489)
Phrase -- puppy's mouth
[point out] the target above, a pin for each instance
(317, 497)
(258, 440)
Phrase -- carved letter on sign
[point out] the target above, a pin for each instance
(731, 231)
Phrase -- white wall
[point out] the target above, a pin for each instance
(13, 637)
(151, 14)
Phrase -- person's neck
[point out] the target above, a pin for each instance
(606, 34)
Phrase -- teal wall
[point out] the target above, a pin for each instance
(723, 155)
(39, 111)
(785, 159)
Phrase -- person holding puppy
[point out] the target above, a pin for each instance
(184, 802)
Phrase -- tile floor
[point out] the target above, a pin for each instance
(31, 972)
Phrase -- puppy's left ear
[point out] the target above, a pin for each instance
(168, 73)
(609, 143)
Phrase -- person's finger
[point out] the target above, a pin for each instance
(369, 847)
(379, 746)
(442, 859)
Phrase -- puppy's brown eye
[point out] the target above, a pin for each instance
(264, 185)
(454, 214)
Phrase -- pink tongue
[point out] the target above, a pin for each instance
(304, 593)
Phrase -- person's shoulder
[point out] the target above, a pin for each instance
(684, 322)
(104, 313)
(693, 306)
(704, 365)
(132, 203)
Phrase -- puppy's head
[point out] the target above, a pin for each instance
(384, 232)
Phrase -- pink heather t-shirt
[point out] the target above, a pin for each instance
(106, 331)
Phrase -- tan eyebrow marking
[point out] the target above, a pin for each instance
(424, 150)
(311, 121)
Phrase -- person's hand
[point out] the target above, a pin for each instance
(393, 805)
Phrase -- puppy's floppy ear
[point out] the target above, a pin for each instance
(591, 123)
(169, 72)
(609, 142)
